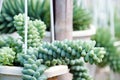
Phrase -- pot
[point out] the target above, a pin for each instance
(60, 72)
(83, 34)
(10, 73)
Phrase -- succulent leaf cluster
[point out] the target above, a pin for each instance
(7, 56)
(78, 70)
(8, 41)
(60, 52)
(36, 30)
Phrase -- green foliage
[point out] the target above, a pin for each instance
(39, 10)
(60, 52)
(36, 10)
(36, 30)
(117, 27)
(104, 39)
(39, 56)
(81, 17)
(14, 44)
(115, 61)
(79, 71)
(7, 56)
(8, 41)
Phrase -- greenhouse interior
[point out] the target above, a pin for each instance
(59, 39)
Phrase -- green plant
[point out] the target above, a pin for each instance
(36, 30)
(81, 17)
(36, 27)
(14, 44)
(8, 41)
(7, 56)
(117, 27)
(79, 70)
(67, 52)
(36, 10)
(62, 51)
(115, 61)
(104, 39)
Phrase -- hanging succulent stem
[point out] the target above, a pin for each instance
(60, 52)
(36, 30)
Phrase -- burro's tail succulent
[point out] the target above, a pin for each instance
(36, 30)
(67, 52)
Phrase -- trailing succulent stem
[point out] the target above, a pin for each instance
(78, 70)
(36, 30)
(56, 53)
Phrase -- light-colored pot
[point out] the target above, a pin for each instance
(15, 73)
(117, 43)
(83, 34)
(10, 73)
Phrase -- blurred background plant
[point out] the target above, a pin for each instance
(82, 18)
(117, 26)
(115, 62)
(37, 9)
(40, 9)
(104, 39)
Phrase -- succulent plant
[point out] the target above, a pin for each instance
(59, 52)
(8, 41)
(36, 10)
(7, 56)
(81, 17)
(104, 39)
(44, 55)
(11, 43)
(36, 30)
(115, 61)
(79, 70)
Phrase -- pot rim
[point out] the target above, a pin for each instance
(88, 32)
(11, 70)
(81, 33)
